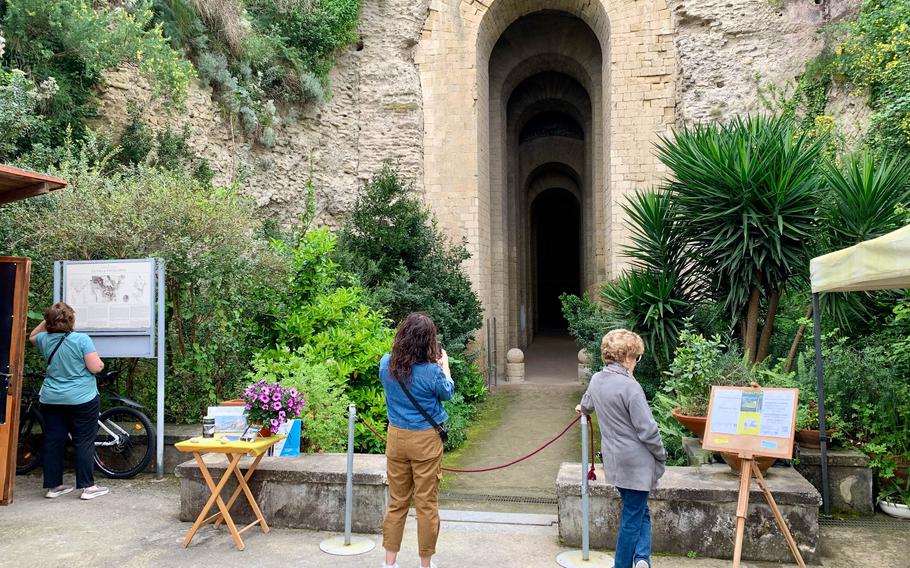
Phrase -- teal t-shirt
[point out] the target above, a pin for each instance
(68, 380)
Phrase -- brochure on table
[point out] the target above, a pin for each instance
(752, 421)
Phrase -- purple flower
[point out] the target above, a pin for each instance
(294, 393)
(277, 396)
(276, 405)
(249, 406)
(275, 423)
(281, 415)
(264, 398)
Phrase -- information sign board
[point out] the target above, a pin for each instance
(751, 421)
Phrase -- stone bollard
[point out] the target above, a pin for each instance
(515, 366)
(584, 366)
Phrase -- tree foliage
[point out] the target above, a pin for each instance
(392, 242)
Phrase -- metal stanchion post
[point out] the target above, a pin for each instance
(348, 545)
(584, 557)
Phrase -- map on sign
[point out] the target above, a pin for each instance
(751, 420)
(110, 295)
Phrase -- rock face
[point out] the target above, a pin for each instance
(374, 114)
(724, 50)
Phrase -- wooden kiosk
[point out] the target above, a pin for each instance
(751, 422)
(15, 273)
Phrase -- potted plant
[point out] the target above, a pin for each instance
(694, 369)
(807, 432)
(268, 405)
(894, 498)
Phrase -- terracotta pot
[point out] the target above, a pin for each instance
(809, 438)
(695, 424)
(735, 463)
(233, 402)
(265, 432)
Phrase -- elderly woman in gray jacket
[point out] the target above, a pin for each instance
(633, 452)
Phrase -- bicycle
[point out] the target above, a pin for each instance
(124, 444)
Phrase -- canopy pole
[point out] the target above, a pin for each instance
(820, 391)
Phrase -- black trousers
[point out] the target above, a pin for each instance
(80, 421)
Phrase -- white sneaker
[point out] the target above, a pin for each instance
(641, 564)
(54, 492)
(384, 565)
(92, 493)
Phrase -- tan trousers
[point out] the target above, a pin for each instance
(414, 467)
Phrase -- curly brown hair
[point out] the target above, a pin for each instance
(415, 342)
(60, 318)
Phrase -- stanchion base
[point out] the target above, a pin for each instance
(336, 546)
(573, 559)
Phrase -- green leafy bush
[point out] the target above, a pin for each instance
(64, 46)
(256, 53)
(219, 272)
(392, 243)
(324, 319)
(323, 419)
(875, 55)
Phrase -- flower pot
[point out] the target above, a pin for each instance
(736, 464)
(809, 438)
(898, 510)
(232, 402)
(265, 432)
(695, 424)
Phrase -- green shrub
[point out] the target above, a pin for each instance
(460, 414)
(588, 323)
(391, 241)
(219, 272)
(257, 53)
(325, 319)
(323, 419)
(875, 55)
(71, 42)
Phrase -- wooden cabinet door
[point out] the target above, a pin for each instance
(14, 280)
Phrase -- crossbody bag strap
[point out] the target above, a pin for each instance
(54, 352)
(420, 409)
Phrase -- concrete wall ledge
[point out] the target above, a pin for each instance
(304, 492)
(849, 478)
(693, 509)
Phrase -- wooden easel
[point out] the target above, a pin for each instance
(748, 468)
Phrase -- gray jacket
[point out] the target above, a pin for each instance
(633, 452)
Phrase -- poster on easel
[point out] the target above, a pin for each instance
(752, 421)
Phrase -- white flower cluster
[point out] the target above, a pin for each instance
(47, 89)
(2, 44)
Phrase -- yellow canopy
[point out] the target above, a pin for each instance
(878, 264)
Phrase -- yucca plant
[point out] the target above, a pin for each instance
(746, 193)
(865, 198)
(657, 293)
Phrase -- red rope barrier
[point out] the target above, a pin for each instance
(486, 469)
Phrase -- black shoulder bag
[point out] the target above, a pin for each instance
(54, 352)
(441, 430)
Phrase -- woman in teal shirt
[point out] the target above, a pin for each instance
(69, 400)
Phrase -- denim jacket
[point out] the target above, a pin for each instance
(429, 386)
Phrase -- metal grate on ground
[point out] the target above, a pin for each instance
(876, 522)
(498, 498)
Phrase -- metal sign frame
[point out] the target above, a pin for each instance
(143, 343)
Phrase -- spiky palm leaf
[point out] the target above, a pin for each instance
(864, 200)
(747, 191)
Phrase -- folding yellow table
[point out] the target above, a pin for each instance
(233, 450)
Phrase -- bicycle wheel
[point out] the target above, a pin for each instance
(31, 438)
(125, 442)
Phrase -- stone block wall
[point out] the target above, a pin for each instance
(306, 492)
(693, 510)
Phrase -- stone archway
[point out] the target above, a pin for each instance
(520, 92)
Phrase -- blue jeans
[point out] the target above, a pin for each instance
(633, 542)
